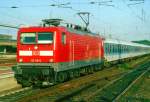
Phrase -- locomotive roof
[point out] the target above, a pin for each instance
(118, 41)
(80, 32)
(72, 30)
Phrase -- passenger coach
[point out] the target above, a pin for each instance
(117, 49)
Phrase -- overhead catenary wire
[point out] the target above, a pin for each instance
(69, 5)
(135, 3)
(9, 26)
(133, 13)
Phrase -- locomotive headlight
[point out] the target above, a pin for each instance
(50, 60)
(35, 47)
(20, 60)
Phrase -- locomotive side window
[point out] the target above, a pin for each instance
(28, 38)
(63, 39)
(45, 37)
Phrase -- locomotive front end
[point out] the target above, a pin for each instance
(35, 56)
(35, 47)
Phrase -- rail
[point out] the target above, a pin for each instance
(114, 90)
(6, 75)
(16, 95)
(113, 80)
(121, 94)
(110, 91)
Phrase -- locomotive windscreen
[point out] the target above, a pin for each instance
(45, 37)
(42, 38)
(28, 38)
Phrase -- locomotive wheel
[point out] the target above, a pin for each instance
(66, 74)
(83, 71)
(88, 70)
(19, 80)
(25, 83)
(91, 69)
(61, 77)
(76, 73)
(96, 68)
(71, 75)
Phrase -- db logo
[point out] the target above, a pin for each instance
(35, 53)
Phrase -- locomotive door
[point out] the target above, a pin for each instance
(99, 51)
(71, 52)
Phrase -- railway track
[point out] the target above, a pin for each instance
(79, 89)
(5, 72)
(138, 90)
(6, 61)
(6, 75)
(78, 94)
(7, 64)
(17, 94)
(110, 91)
(137, 79)
(114, 90)
(52, 93)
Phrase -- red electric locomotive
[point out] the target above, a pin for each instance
(47, 55)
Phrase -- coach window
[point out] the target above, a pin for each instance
(107, 45)
(106, 48)
(110, 48)
(63, 39)
(114, 48)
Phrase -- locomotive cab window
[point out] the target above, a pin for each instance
(28, 38)
(63, 39)
(45, 37)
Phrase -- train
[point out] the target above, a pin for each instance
(116, 49)
(47, 55)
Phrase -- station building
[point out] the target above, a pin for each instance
(5, 37)
(6, 44)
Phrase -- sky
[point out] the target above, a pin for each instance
(122, 19)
